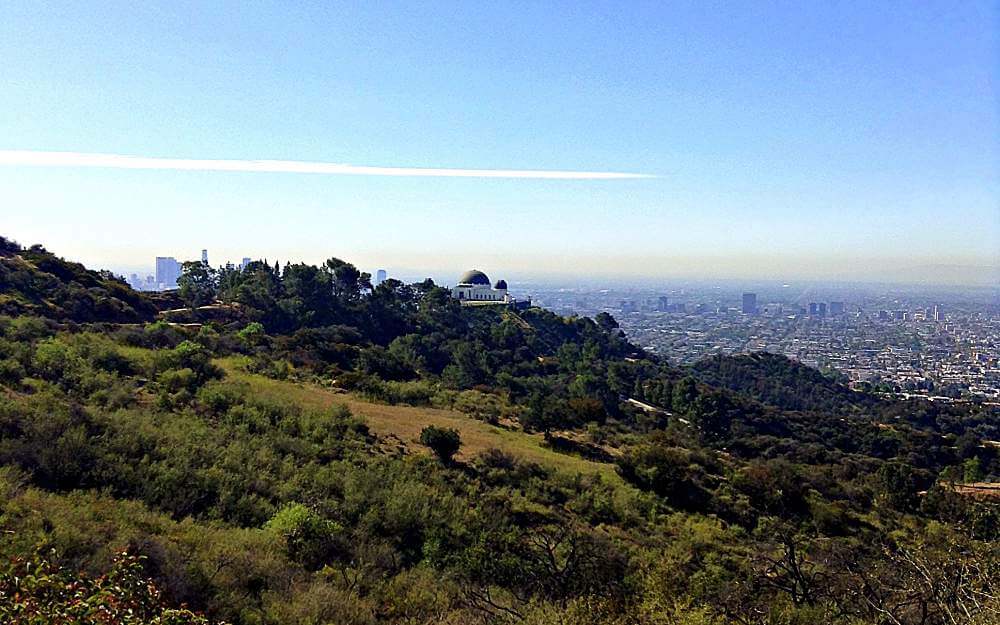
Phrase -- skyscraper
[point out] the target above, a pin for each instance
(380, 276)
(836, 308)
(663, 304)
(167, 272)
(749, 303)
(822, 309)
(204, 257)
(244, 262)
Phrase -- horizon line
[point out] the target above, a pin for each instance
(41, 158)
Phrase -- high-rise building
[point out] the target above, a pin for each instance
(836, 308)
(167, 272)
(938, 313)
(380, 276)
(244, 263)
(749, 303)
(663, 304)
(813, 309)
(822, 309)
(204, 257)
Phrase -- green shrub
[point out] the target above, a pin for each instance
(11, 372)
(443, 442)
(309, 538)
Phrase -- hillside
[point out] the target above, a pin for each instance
(400, 425)
(778, 381)
(36, 282)
(338, 453)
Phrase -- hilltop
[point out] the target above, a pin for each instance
(34, 281)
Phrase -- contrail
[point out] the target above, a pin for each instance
(34, 158)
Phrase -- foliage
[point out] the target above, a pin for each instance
(34, 590)
(443, 442)
(197, 284)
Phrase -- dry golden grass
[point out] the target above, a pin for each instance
(406, 422)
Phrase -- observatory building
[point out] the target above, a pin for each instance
(474, 288)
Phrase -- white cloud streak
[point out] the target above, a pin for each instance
(32, 158)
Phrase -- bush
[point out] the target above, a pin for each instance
(36, 591)
(443, 442)
(310, 539)
(11, 372)
(252, 334)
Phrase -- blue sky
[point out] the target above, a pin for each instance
(785, 140)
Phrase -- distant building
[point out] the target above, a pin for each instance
(663, 304)
(822, 309)
(837, 308)
(244, 263)
(749, 303)
(813, 309)
(380, 276)
(204, 257)
(938, 313)
(167, 272)
(628, 306)
(474, 287)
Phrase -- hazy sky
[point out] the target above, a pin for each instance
(787, 139)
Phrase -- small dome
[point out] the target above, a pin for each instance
(501, 284)
(474, 276)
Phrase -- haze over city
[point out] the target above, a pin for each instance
(847, 142)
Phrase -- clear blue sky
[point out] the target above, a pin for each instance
(787, 139)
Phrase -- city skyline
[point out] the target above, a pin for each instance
(943, 276)
(848, 142)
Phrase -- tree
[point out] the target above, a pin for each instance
(898, 486)
(308, 295)
(443, 442)
(348, 282)
(390, 308)
(713, 414)
(606, 322)
(259, 288)
(197, 284)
